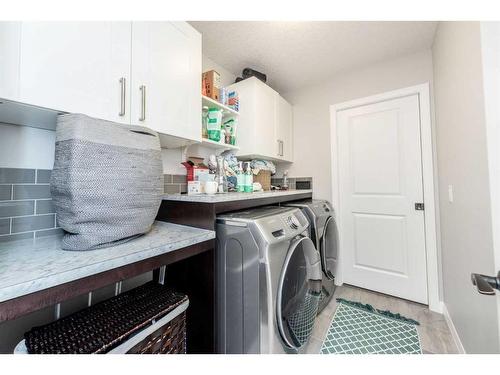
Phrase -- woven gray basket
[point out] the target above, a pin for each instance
(107, 181)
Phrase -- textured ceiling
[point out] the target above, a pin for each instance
(298, 54)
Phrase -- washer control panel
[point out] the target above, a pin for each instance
(292, 222)
(284, 226)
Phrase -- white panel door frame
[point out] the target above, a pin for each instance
(430, 213)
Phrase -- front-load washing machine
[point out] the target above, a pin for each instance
(324, 233)
(268, 281)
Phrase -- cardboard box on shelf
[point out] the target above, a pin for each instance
(194, 187)
(196, 170)
(233, 100)
(211, 84)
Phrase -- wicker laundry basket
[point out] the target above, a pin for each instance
(150, 319)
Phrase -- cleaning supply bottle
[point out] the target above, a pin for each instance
(285, 181)
(248, 178)
(214, 123)
(240, 178)
(220, 176)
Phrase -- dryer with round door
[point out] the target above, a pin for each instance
(268, 281)
(323, 231)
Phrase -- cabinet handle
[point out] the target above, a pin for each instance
(282, 148)
(123, 84)
(143, 103)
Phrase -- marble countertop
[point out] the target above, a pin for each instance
(28, 266)
(230, 197)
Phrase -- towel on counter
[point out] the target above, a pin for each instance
(262, 165)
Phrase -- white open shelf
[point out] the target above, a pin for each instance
(208, 102)
(212, 144)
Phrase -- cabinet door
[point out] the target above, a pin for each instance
(76, 67)
(284, 130)
(10, 35)
(265, 120)
(166, 78)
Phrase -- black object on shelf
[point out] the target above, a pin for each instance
(248, 72)
(238, 79)
(302, 185)
(108, 324)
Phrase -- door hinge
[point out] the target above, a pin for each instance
(419, 206)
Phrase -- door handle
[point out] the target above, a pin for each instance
(486, 284)
(143, 103)
(123, 84)
(280, 147)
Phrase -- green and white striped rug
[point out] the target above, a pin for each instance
(360, 329)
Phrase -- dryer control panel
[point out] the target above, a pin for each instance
(284, 226)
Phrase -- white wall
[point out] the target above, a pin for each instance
(490, 42)
(25, 147)
(226, 77)
(462, 148)
(311, 111)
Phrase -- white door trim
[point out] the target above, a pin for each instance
(428, 180)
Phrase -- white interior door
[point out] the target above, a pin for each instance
(380, 180)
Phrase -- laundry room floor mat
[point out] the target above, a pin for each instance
(357, 328)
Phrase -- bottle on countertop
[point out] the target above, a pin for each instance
(248, 178)
(222, 136)
(240, 178)
(220, 177)
(285, 181)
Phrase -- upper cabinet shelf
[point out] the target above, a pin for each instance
(217, 145)
(210, 103)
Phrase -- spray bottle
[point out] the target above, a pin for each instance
(240, 178)
(248, 178)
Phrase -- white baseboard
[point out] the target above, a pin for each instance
(453, 330)
(437, 306)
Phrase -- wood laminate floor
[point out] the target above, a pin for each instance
(435, 336)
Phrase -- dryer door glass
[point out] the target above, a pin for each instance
(329, 248)
(299, 292)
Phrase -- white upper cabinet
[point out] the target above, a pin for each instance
(265, 122)
(256, 119)
(144, 73)
(10, 35)
(76, 67)
(284, 129)
(264, 119)
(166, 78)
